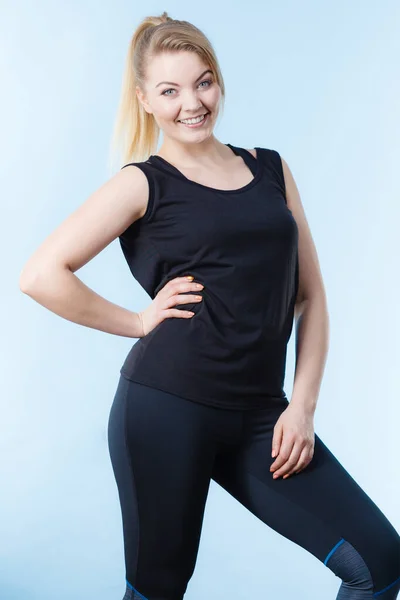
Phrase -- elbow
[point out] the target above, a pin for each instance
(316, 298)
(27, 281)
(299, 307)
(33, 279)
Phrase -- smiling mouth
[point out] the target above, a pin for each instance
(201, 115)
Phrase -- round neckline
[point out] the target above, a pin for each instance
(244, 188)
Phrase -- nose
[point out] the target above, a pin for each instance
(191, 103)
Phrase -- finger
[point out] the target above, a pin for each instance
(276, 440)
(290, 461)
(179, 313)
(309, 458)
(182, 299)
(173, 295)
(282, 444)
(177, 284)
(284, 454)
(180, 288)
(301, 463)
(287, 466)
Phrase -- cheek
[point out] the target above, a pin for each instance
(162, 109)
(167, 112)
(215, 95)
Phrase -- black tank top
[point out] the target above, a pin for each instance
(242, 245)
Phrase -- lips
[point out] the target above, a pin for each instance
(200, 115)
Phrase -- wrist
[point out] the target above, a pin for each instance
(307, 404)
(140, 325)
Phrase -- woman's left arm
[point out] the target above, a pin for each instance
(311, 311)
(293, 440)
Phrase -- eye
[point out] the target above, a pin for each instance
(206, 81)
(209, 81)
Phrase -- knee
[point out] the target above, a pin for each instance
(345, 562)
(381, 577)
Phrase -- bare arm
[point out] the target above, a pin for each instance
(48, 276)
(311, 312)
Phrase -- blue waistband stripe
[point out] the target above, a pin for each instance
(333, 550)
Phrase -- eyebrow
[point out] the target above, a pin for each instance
(177, 84)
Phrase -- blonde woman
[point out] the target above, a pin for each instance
(217, 236)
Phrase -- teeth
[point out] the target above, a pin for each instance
(191, 121)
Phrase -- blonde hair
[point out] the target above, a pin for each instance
(136, 133)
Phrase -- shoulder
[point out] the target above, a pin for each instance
(135, 180)
(289, 178)
(253, 152)
(134, 174)
(274, 157)
(291, 191)
(285, 176)
(266, 154)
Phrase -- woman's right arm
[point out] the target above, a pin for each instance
(48, 276)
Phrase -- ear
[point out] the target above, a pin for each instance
(143, 100)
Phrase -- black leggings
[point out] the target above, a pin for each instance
(165, 450)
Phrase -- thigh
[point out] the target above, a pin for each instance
(162, 459)
(317, 508)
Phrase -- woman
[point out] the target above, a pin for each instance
(217, 236)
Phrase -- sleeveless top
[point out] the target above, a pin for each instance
(242, 245)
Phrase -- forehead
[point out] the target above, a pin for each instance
(182, 67)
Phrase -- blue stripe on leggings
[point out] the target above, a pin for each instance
(376, 593)
(387, 587)
(333, 550)
(135, 590)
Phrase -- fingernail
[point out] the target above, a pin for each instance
(190, 277)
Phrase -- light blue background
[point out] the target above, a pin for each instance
(317, 81)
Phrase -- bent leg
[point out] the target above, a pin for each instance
(357, 582)
(162, 459)
(322, 509)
